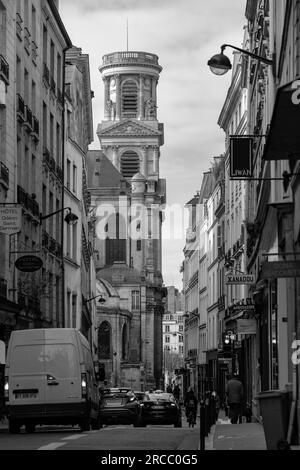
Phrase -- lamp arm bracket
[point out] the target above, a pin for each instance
(243, 51)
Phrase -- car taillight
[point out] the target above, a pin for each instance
(83, 386)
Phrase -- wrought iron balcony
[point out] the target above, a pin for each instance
(28, 123)
(4, 174)
(4, 70)
(35, 128)
(19, 29)
(46, 156)
(20, 108)
(45, 239)
(52, 85)
(27, 39)
(34, 49)
(60, 97)
(46, 74)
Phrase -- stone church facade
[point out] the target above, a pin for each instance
(127, 201)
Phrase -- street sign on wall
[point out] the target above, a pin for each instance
(29, 263)
(277, 269)
(241, 166)
(233, 279)
(10, 218)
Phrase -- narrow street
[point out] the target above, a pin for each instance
(108, 438)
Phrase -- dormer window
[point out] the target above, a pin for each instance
(129, 99)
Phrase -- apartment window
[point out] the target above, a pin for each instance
(58, 216)
(167, 339)
(68, 325)
(51, 135)
(50, 212)
(58, 160)
(45, 45)
(33, 173)
(138, 245)
(26, 174)
(180, 339)
(52, 51)
(26, 86)
(74, 178)
(58, 76)
(74, 242)
(167, 329)
(180, 328)
(33, 23)
(68, 245)
(68, 174)
(135, 300)
(45, 122)
(33, 97)
(18, 73)
(74, 310)
(180, 349)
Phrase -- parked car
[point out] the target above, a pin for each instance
(161, 408)
(50, 379)
(119, 406)
(140, 395)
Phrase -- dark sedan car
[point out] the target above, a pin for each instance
(119, 406)
(161, 408)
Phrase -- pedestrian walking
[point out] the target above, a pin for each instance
(169, 389)
(235, 393)
(176, 392)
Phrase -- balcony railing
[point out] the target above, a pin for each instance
(21, 195)
(45, 239)
(59, 172)
(20, 108)
(136, 57)
(28, 119)
(36, 128)
(4, 70)
(52, 164)
(28, 202)
(60, 96)
(34, 49)
(27, 40)
(3, 288)
(19, 29)
(4, 173)
(46, 74)
(46, 156)
(53, 85)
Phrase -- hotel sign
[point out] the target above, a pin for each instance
(234, 279)
(241, 165)
(10, 218)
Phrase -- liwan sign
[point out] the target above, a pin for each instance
(241, 157)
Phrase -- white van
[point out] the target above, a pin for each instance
(50, 379)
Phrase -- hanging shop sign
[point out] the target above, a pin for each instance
(246, 279)
(243, 308)
(246, 327)
(10, 218)
(241, 166)
(28, 263)
(277, 269)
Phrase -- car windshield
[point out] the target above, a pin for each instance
(160, 397)
(117, 393)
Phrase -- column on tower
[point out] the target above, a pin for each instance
(141, 98)
(118, 97)
(155, 160)
(154, 84)
(107, 105)
(144, 171)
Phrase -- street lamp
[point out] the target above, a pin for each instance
(220, 64)
(101, 300)
(70, 218)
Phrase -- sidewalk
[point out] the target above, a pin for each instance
(244, 436)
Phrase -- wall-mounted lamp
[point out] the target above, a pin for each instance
(220, 64)
(70, 218)
(101, 300)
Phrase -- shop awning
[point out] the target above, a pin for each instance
(283, 140)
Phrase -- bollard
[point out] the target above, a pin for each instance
(202, 425)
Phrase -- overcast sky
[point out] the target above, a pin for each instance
(184, 34)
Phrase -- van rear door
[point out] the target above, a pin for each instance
(62, 369)
(27, 375)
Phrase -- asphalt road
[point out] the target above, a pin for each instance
(108, 438)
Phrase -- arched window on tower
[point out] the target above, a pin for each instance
(124, 342)
(104, 341)
(130, 164)
(129, 99)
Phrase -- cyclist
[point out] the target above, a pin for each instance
(191, 403)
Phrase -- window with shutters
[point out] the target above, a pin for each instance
(130, 164)
(129, 99)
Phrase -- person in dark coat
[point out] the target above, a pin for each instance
(190, 402)
(176, 392)
(234, 392)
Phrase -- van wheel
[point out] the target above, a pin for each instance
(29, 428)
(85, 424)
(14, 427)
